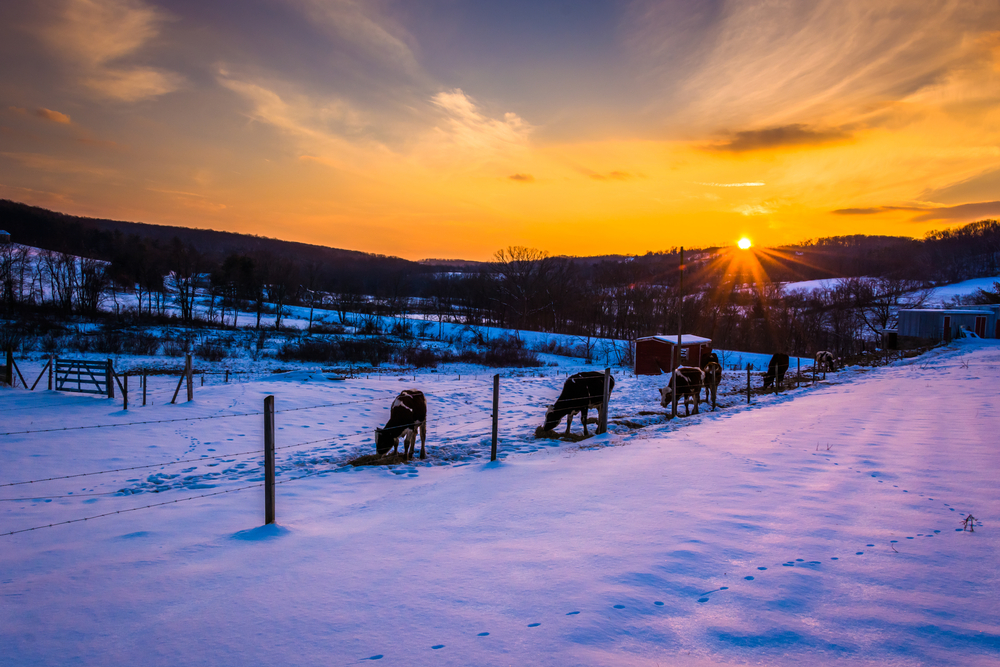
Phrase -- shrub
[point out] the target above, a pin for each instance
(504, 351)
(211, 350)
(141, 343)
(174, 348)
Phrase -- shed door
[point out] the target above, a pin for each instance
(947, 327)
(981, 326)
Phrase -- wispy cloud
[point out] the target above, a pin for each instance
(522, 178)
(467, 126)
(874, 210)
(95, 37)
(612, 176)
(786, 136)
(962, 212)
(44, 114)
(753, 184)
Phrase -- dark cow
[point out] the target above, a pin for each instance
(776, 370)
(689, 382)
(825, 361)
(580, 392)
(407, 415)
(713, 376)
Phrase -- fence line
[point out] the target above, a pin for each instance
(132, 509)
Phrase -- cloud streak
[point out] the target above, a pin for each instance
(96, 37)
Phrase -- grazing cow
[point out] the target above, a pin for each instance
(713, 376)
(776, 370)
(689, 382)
(407, 415)
(825, 361)
(580, 392)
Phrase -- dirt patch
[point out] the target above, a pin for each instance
(554, 435)
(378, 460)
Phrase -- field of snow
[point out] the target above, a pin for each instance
(822, 525)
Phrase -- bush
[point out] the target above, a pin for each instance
(211, 350)
(504, 351)
(141, 343)
(423, 357)
(174, 348)
(374, 351)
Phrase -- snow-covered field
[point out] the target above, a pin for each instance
(820, 526)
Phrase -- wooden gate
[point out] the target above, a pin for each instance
(85, 377)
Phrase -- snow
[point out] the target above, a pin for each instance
(822, 525)
(942, 295)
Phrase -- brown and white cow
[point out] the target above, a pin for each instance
(407, 415)
(689, 380)
(825, 361)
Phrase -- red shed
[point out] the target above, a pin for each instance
(659, 354)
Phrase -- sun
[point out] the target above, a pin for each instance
(744, 243)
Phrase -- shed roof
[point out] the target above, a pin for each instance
(950, 311)
(686, 339)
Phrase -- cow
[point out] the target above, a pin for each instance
(407, 415)
(825, 361)
(713, 376)
(689, 382)
(776, 370)
(580, 392)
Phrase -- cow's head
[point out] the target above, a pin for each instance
(384, 441)
(552, 418)
(666, 396)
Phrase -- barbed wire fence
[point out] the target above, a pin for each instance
(445, 428)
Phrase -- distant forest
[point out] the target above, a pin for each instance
(729, 295)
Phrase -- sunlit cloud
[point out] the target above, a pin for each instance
(754, 209)
(44, 114)
(522, 178)
(613, 176)
(467, 126)
(96, 36)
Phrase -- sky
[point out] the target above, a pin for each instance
(453, 128)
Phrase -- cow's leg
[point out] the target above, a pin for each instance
(411, 442)
(423, 436)
(583, 418)
(569, 420)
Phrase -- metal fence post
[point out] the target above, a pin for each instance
(143, 388)
(748, 384)
(496, 415)
(190, 379)
(602, 424)
(269, 459)
(798, 370)
(110, 374)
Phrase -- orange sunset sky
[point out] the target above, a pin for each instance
(451, 128)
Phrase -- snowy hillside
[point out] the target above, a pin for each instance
(824, 525)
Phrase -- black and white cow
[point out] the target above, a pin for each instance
(689, 382)
(407, 415)
(580, 393)
(776, 369)
(825, 361)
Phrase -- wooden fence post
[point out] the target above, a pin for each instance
(227, 376)
(748, 383)
(602, 423)
(52, 369)
(8, 370)
(125, 394)
(190, 379)
(110, 373)
(496, 415)
(269, 459)
(798, 370)
(144, 388)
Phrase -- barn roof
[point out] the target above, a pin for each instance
(686, 339)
